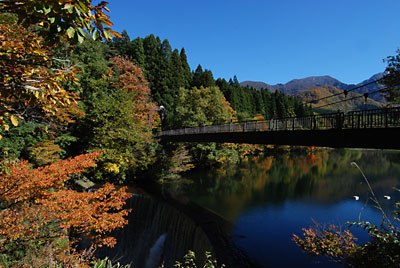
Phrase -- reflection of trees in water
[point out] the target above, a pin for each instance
(317, 176)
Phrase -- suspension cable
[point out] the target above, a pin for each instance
(347, 90)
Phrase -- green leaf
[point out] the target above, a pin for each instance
(80, 38)
(81, 32)
(82, 6)
(69, 7)
(77, 10)
(95, 35)
(107, 35)
(70, 32)
(46, 10)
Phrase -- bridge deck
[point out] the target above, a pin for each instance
(378, 128)
(378, 138)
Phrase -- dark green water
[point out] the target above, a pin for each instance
(270, 198)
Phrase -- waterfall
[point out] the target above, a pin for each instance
(154, 258)
(150, 221)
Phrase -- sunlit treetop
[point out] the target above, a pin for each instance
(31, 81)
(392, 78)
(31, 86)
(62, 18)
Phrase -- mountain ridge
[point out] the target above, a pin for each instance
(355, 101)
(296, 86)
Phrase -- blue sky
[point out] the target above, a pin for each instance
(271, 41)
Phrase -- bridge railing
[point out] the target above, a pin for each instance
(374, 118)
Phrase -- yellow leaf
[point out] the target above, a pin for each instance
(14, 120)
(107, 22)
(1, 137)
(6, 127)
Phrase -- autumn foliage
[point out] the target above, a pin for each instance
(31, 86)
(120, 118)
(37, 204)
(63, 18)
(32, 81)
(132, 80)
(38, 208)
(332, 242)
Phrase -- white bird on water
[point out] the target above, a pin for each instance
(356, 197)
(387, 197)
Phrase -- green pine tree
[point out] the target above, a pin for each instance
(186, 69)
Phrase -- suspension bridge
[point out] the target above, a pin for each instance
(374, 128)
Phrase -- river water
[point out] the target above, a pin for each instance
(247, 214)
(271, 197)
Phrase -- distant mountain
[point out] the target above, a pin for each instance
(256, 85)
(371, 88)
(296, 86)
(356, 101)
